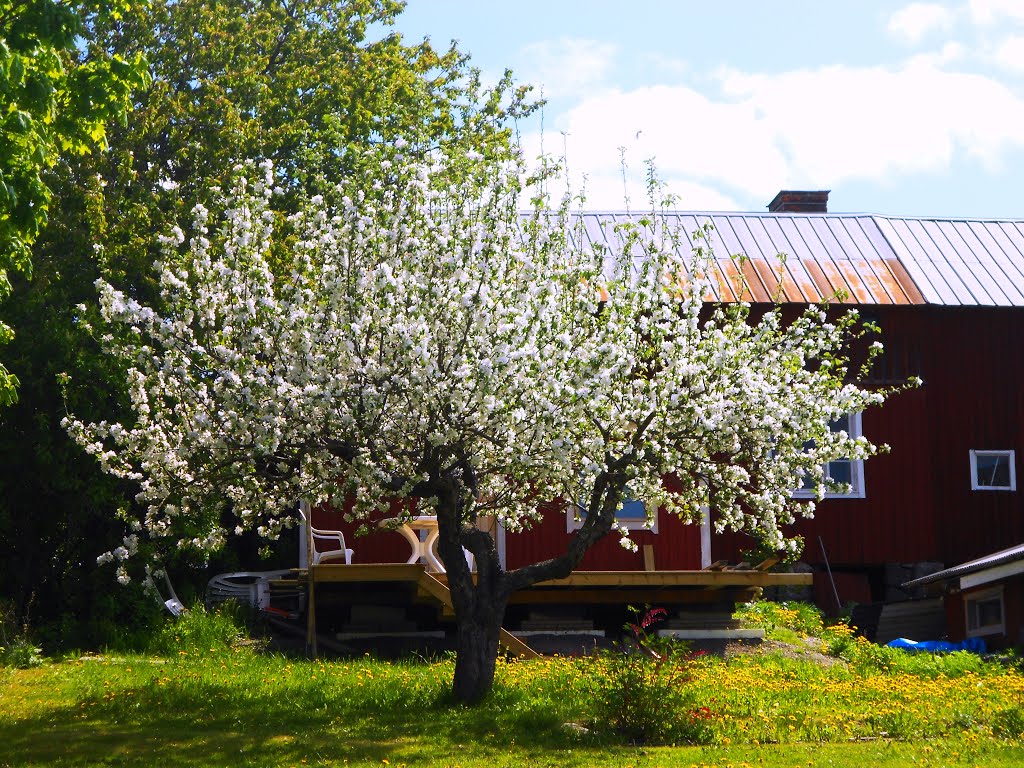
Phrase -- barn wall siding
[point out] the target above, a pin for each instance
(919, 505)
(676, 545)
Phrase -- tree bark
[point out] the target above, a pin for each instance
(480, 604)
(477, 652)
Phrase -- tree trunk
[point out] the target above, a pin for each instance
(480, 603)
(476, 654)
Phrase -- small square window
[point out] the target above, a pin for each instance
(993, 471)
(984, 612)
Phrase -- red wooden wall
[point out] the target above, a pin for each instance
(676, 546)
(919, 505)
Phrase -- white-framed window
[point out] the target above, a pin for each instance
(633, 515)
(985, 612)
(849, 472)
(993, 471)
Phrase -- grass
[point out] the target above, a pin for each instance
(208, 700)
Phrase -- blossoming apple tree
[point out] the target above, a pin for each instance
(426, 339)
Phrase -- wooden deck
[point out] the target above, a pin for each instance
(375, 572)
(704, 590)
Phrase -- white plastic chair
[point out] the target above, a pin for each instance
(173, 605)
(329, 545)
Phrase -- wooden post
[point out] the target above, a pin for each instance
(311, 582)
(648, 557)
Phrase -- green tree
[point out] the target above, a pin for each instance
(299, 82)
(53, 101)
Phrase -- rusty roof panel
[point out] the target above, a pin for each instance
(901, 276)
(731, 282)
(916, 263)
(806, 290)
(871, 259)
(885, 291)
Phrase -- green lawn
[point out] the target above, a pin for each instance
(201, 698)
(241, 708)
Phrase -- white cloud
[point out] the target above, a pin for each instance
(810, 129)
(950, 53)
(839, 123)
(680, 130)
(917, 20)
(988, 12)
(605, 191)
(1010, 54)
(565, 67)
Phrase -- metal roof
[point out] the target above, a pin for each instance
(862, 258)
(1003, 557)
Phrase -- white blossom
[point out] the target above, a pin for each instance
(427, 315)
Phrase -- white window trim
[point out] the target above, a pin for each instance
(857, 490)
(574, 520)
(985, 595)
(1013, 470)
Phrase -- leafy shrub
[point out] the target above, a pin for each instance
(842, 641)
(791, 622)
(19, 651)
(203, 632)
(1009, 723)
(640, 688)
(802, 618)
(17, 648)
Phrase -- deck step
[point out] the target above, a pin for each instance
(515, 646)
(713, 634)
(431, 585)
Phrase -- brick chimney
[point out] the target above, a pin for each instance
(800, 202)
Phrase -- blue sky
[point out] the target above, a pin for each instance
(903, 108)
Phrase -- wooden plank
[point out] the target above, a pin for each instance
(433, 586)
(425, 595)
(369, 572)
(515, 646)
(429, 584)
(680, 578)
(402, 572)
(631, 596)
(649, 557)
(718, 565)
(287, 583)
(764, 565)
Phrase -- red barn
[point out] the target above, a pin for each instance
(948, 295)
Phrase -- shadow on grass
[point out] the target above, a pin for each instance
(191, 724)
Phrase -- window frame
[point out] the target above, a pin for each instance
(575, 512)
(972, 600)
(1011, 456)
(857, 489)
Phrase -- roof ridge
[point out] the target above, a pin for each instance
(783, 215)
